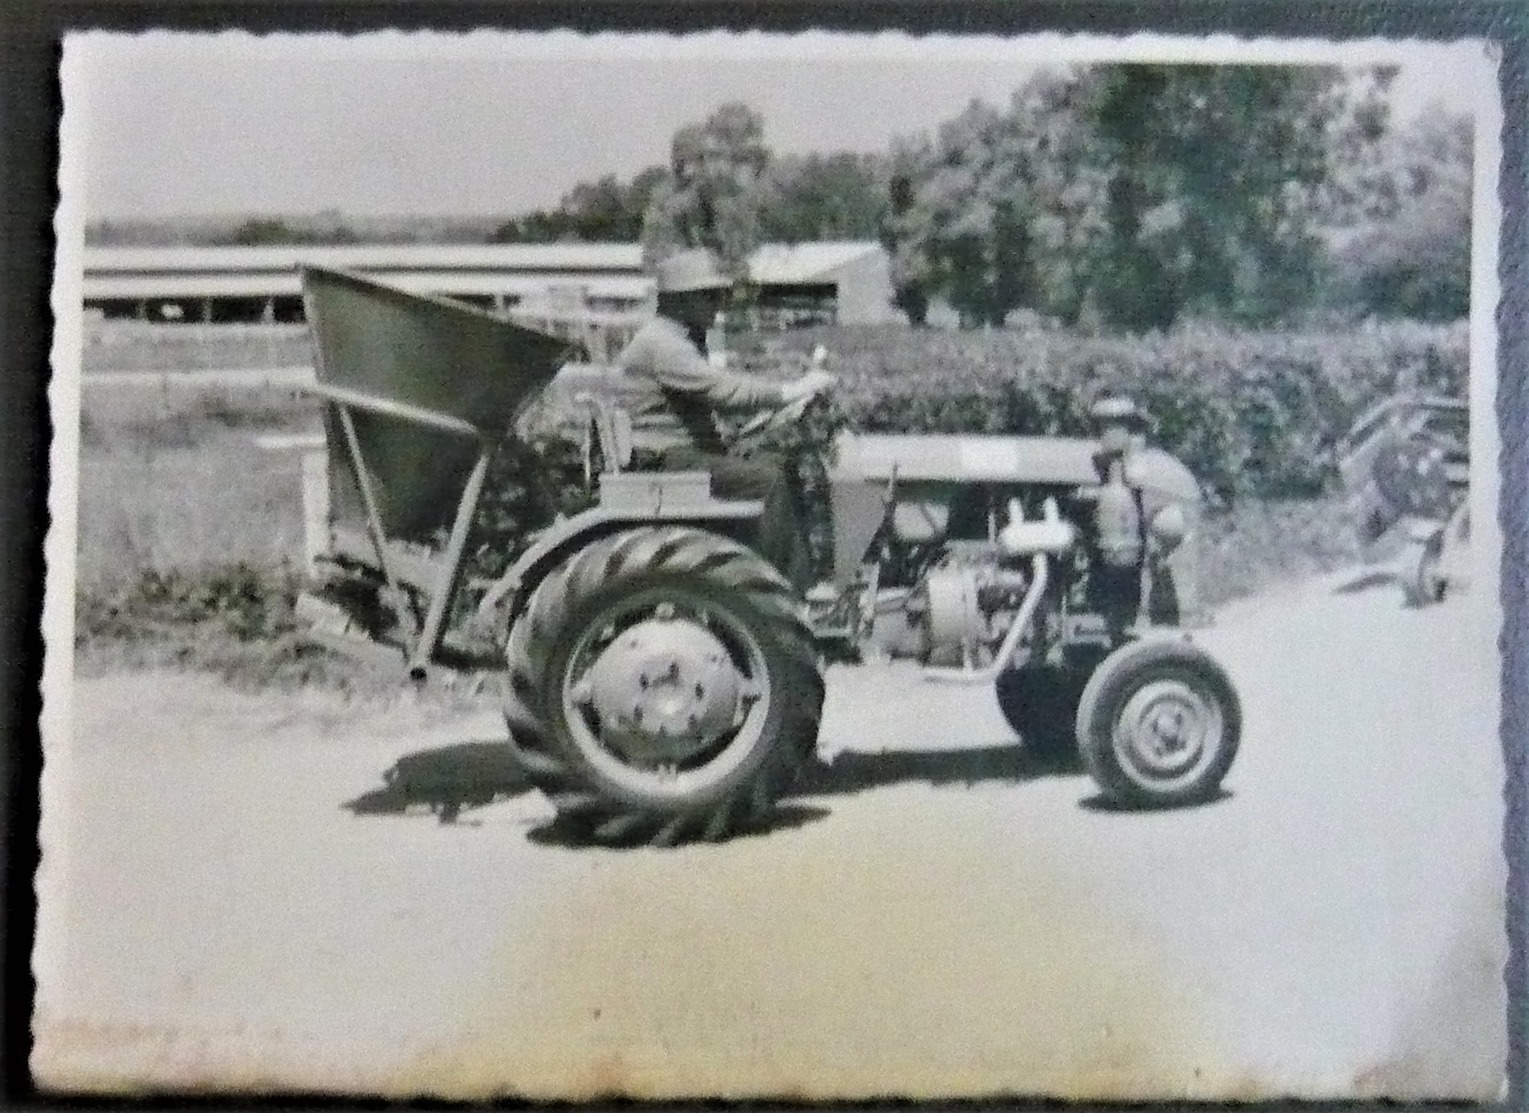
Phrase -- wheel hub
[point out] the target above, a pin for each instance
(665, 690)
(1167, 727)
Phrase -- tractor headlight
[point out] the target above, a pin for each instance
(1169, 526)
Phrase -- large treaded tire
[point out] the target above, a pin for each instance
(1119, 696)
(572, 600)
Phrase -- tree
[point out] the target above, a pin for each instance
(988, 215)
(1216, 174)
(605, 210)
(944, 225)
(264, 230)
(1132, 195)
(712, 195)
(1401, 243)
(903, 232)
(842, 196)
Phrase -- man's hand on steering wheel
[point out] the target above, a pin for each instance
(810, 384)
(796, 396)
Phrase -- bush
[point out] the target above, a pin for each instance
(236, 600)
(1252, 414)
(235, 620)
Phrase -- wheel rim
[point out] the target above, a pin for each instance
(665, 692)
(1168, 733)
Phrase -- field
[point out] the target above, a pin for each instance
(173, 477)
(191, 531)
(127, 346)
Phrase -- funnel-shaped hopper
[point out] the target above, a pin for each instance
(423, 383)
(425, 352)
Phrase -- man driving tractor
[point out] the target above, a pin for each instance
(677, 384)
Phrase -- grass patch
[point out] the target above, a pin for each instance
(114, 346)
(146, 418)
(1260, 545)
(219, 502)
(234, 621)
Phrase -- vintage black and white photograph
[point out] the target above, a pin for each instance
(755, 565)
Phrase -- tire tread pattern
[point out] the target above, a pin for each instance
(531, 652)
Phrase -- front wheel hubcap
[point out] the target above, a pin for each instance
(1168, 731)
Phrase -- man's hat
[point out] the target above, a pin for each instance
(695, 270)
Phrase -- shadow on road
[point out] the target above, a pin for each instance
(568, 833)
(1369, 580)
(454, 778)
(852, 772)
(446, 780)
(1102, 805)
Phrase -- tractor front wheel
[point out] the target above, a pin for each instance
(663, 688)
(1159, 724)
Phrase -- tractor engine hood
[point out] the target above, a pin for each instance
(1002, 459)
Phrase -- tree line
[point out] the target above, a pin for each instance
(1118, 197)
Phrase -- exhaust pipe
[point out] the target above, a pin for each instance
(1040, 570)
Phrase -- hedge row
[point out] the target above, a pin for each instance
(1252, 414)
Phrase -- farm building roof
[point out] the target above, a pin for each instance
(365, 257)
(809, 262)
(234, 285)
(530, 271)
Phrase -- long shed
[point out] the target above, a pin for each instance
(845, 281)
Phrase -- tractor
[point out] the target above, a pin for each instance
(663, 683)
(1405, 466)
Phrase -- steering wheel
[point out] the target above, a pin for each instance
(767, 421)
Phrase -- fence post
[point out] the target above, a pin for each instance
(315, 508)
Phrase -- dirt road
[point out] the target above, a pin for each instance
(931, 915)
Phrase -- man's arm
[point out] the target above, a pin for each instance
(673, 363)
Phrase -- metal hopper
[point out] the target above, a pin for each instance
(417, 391)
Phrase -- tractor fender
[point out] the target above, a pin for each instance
(569, 535)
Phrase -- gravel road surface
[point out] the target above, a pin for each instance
(932, 915)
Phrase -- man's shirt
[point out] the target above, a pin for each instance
(672, 380)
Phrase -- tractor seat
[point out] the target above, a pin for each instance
(607, 437)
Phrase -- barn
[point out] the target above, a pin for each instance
(844, 281)
(253, 284)
(819, 282)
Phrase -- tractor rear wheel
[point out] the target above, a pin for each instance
(663, 688)
(1159, 724)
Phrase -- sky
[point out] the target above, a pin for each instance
(163, 125)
